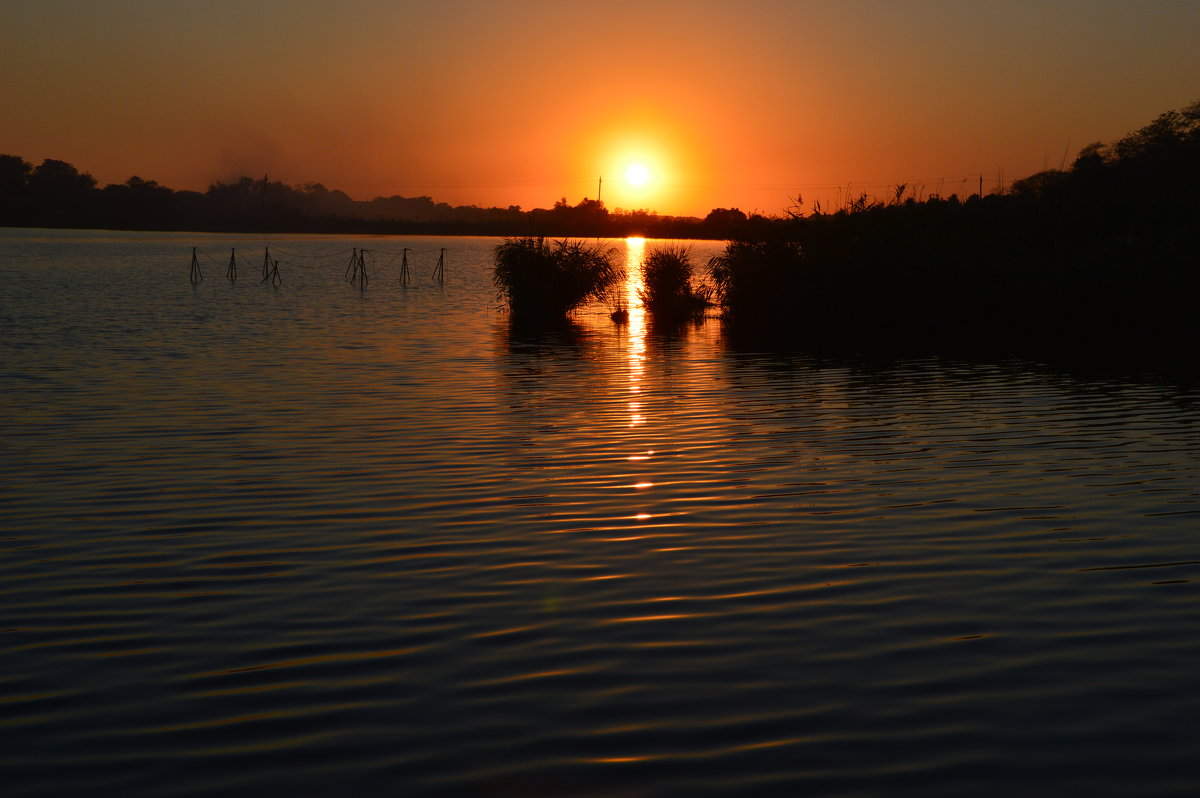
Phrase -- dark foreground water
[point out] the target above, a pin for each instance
(321, 541)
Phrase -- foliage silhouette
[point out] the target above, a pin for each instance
(1102, 254)
(539, 280)
(669, 293)
(55, 194)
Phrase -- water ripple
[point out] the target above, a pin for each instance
(281, 542)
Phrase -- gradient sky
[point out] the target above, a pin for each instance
(744, 103)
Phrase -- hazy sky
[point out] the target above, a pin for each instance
(745, 103)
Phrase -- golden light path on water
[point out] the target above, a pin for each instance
(635, 254)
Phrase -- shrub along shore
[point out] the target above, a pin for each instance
(1103, 254)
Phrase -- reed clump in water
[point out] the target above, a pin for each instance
(537, 279)
(757, 278)
(669, 292)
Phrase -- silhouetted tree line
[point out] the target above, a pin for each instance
(56, 194)
(1102, 253)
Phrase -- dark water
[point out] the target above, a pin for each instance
(315, 541)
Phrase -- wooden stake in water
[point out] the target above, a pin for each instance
(231, 272)
(196, 276)
(404, 267)
(271, 269)
(439, 271)
(360, 269)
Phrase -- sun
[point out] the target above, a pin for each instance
(637, 175)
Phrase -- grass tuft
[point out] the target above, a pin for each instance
(540, 280)
(669, 293)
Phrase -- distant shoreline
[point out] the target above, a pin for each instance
(54, 194)
(678, 230)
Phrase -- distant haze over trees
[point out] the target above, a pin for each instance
(57, 194)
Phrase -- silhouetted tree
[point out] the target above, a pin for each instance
(60, 193)
(14, 188)
(1040, 184)
(1091, 156)
(139, 199)
(14, 175)
(725, 222)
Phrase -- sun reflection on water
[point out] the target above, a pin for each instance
(635, 253)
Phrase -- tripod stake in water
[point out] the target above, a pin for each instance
(196, 277)
(271, 269)
(439, 271)
(404, 267)
(358, 268)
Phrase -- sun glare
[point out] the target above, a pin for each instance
(637, 175)
(643, 156)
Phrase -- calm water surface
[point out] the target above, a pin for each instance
(318, 540)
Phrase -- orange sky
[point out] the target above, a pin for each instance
(742, 104)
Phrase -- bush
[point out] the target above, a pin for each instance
(540, 280)
(669, 293)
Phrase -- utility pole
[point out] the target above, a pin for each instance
(599, 186)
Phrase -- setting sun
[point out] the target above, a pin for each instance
(637, 175)
(646, 155)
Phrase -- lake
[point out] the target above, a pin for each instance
(324, 538)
